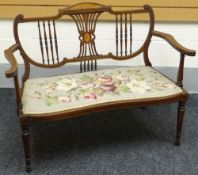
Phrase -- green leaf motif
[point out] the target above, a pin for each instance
(158, 88)
(51, 100)
(130, 71)
(140, 78)
(86, 78)
(68, 84)
(124, 89)
(98, 91)
(83, 91)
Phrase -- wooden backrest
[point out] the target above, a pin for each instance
(85, 16)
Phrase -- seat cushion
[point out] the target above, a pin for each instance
(58, 93)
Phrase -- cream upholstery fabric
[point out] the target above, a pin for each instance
(58, 93)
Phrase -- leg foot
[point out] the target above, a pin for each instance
(180, 117)
(28, 166)
(177, 143)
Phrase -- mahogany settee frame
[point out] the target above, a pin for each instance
(85, 16)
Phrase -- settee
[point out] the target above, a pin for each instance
(90, 90)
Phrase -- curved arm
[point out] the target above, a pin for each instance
(11, 58)
(172, 41)
(13, 72)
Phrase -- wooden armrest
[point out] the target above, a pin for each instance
(172, 41)
(12, 60)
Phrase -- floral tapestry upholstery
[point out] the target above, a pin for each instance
(58, 93)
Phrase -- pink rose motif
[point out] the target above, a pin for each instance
(64, 99)
(36, 95)
(51, 89)
(106, 83)
(87, 85)
(109, 88)
(105, 79)
(122, 77)
(90, 96)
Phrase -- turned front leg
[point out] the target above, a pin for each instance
(180, 117)
(26, 145)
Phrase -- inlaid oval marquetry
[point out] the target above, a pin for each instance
(87, 37)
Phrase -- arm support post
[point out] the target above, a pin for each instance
(180, 74)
